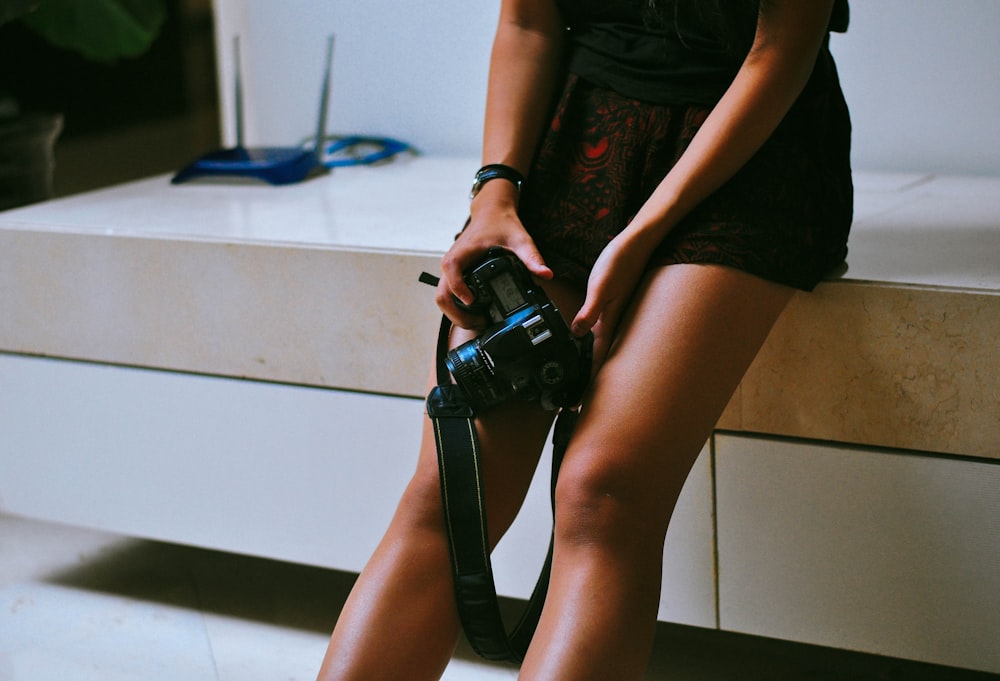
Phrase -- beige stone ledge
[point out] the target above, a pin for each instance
(315, 284)
(888, 366)
(333, 318)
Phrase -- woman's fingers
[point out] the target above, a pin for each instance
(447, 303)
(612, 282)
(527, 252)
(469, 249)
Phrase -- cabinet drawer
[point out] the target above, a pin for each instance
(889, 553)
(288, 472)
(294, 473)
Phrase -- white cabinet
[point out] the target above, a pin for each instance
(891, 553)
(861, 549)
(295, 473)
(300, 474)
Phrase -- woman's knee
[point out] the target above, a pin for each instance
(603, 500)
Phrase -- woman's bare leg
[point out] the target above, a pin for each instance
(400, 621)
(680, 352)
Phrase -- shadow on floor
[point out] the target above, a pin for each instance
(309, 599)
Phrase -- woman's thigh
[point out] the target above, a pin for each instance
(511, 438)
(682, 348)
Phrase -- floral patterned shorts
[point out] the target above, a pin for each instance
(785, 216)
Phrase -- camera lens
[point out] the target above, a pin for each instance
(474, 374)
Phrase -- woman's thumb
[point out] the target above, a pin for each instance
(585, 320)
(532, 259)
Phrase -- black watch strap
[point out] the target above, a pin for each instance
(496, 171)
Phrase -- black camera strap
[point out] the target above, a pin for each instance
(465, 517)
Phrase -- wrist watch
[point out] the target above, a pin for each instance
(496, 171)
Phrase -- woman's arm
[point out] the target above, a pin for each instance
(788, 38)
(524, 67)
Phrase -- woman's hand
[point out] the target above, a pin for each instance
(609, 291)
(494, 222)
(525, 72)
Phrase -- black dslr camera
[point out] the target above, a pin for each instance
(527, 350)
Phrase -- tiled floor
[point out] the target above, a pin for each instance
(81, 606)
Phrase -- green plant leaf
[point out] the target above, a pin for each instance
(12, 9)
(101, 30)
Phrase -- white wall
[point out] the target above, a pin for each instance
(412, 70)
(921, 75)
(922, 78)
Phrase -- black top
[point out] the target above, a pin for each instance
(684, 62)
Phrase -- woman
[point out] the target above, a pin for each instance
(687, 170)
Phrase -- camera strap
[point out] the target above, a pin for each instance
(465, 517)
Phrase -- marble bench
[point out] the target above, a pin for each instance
(243, 367)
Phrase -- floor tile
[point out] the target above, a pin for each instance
(83, 606)
(55, 632)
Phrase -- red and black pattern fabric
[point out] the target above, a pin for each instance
(785, 216)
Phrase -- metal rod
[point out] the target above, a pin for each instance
(238, 91)
(324, 101)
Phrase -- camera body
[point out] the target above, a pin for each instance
(527, 350)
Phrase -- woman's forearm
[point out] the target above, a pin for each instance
(789, 36)
(524, 67)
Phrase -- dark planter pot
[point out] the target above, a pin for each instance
(27, 158)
